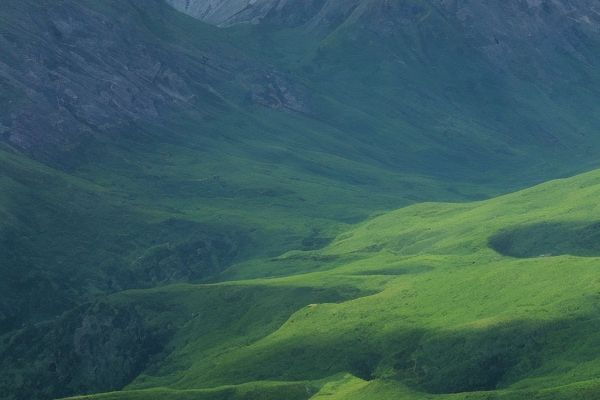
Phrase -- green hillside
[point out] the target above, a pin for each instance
(174, 197)
(413, 303)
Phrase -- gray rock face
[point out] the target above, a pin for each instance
(79, 72)
(231, 12)
(285, 12)
(70, 72)
(223, 13)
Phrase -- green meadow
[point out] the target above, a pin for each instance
(426, 302)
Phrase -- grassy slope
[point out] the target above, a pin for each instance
(446, 313)
(264, 181)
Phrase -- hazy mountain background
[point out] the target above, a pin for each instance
(156, 167)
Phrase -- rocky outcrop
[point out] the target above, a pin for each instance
(223, 13)
(70, 72)
(232, 12)
(276, 92)
(98, 347)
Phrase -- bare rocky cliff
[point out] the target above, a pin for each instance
(222, 13)
(71, 72)
(232, 12)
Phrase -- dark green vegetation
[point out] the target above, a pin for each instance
(182, 206)
(549, 239)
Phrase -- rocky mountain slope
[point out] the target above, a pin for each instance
(478, 49)
(232, 12)
(529, 20)
(511, 34)
(73, 71)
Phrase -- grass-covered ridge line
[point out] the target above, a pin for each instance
(434, 311)
(249, 391)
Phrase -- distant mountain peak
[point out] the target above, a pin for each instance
(228, 12)
(225, 13)
(293, 12)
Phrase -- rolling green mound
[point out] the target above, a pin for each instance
(410, 304)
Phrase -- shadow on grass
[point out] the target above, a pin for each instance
(397, 271)
(549, 239)
(429, 361)
(103, 346)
